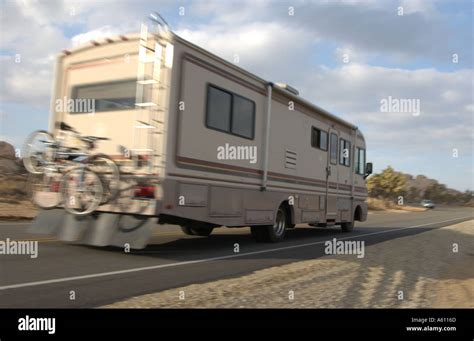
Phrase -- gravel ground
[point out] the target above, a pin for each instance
(423, 267)
(17, 209)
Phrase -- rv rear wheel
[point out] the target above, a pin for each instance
(192, 230)
(271, 233)
(347, 226)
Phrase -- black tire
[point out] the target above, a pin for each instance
(347, 226)
(272, 233)
(199, 230)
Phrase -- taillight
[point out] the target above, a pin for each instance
(145, 192)
(54, 187)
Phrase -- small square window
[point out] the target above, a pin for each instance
(319, 139)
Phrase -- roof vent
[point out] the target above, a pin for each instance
(288, 88)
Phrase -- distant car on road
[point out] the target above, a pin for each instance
(427, 204)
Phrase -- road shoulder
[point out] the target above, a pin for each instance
(432, 269)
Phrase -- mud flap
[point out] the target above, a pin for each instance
(133, 230)
(47, 222)
(101, 229)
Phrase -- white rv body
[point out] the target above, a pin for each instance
(173, 136)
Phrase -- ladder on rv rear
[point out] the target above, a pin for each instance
(149, 109)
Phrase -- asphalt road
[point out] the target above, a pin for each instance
(100, 276)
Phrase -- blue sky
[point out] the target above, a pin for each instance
(405, 56)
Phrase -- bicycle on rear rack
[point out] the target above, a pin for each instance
(70, 176)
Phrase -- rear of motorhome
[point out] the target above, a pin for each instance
(202, 143)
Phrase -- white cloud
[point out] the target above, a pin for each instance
(279, 47)
(101, 32)
(261, 48)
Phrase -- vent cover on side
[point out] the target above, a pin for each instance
(290, 159)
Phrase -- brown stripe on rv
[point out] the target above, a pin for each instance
(272, 175)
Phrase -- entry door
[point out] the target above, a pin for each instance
(332, 175)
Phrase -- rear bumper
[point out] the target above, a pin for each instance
(99, 229)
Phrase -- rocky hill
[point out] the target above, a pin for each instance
(9, 163)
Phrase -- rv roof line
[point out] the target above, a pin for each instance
(262, 81)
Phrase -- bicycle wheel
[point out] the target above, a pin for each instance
(44, 190)
(37, 151)
(108, 172)
(82, 191)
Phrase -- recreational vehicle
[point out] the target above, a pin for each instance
(201, 143)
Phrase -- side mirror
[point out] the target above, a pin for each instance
(368, 169)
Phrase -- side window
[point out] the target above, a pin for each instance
(333, 152)
(319, 139)
(344, 152)
(230, 113)
(219, 104)
(323, 140)
(347, 154)
(341, 151)
(360, 166)
(243, 112)
(107, 96)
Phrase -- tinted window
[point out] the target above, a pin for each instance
(319, 139)
(344, 152)
(108, 96)
(218, 109)
(333, 151)
(230, 113)
(360, 166)
(243, 112)
(323, 140)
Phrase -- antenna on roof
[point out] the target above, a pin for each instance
(159, 20)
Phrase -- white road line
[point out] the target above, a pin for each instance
(162, 266)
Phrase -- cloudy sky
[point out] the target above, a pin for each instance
(345, 56)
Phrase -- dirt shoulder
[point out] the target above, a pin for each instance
(14, 201)
(422, 267)
(11, 209)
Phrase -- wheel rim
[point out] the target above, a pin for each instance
(109, 172)
(36, 153)
(82, 197)
(44, 190)
(280, 223)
